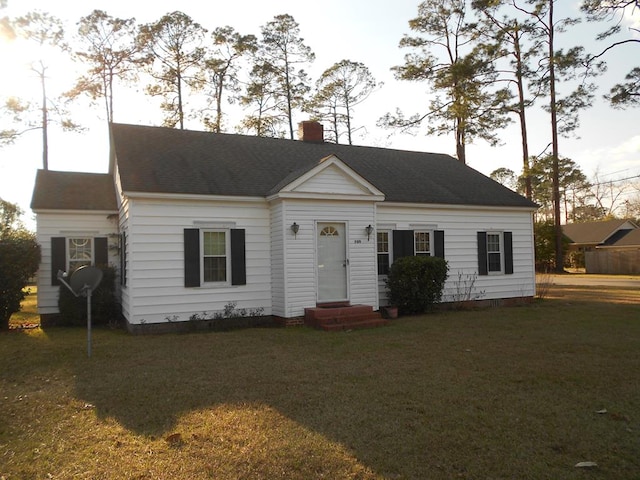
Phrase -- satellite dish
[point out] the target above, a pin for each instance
(85, 278)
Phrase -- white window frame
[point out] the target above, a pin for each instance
(500, 252)
(389, 251)
(418, 253)
(227, 241)
(68, 258)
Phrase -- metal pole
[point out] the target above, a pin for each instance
(89, 323)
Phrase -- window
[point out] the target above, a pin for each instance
(214, 256)
(80, 253)
(70, 253)
(494, 253)
(383, 252)
(422, 246)
(407, 243)
(329, 232)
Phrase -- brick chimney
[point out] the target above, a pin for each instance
(311, 131)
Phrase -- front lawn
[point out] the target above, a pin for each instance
(522, 392)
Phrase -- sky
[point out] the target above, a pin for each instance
(368, 31)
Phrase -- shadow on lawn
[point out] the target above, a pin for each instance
(451, 397)
(336, 385)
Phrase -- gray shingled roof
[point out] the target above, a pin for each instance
(630, 239)
(591, 232)
(165, 160)
(73, 191)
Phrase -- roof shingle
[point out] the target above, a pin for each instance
(73, 191)
(592, 232)
(166, 160)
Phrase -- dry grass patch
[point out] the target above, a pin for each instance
(499, 393)
(600, 294)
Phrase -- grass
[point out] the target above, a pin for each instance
(27, 317)
(499, 393)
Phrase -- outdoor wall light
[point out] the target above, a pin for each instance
(369, 230)
(294, 228)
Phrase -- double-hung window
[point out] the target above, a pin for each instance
(215, 256)
(494, 252)
(383, 252)
(422, 243)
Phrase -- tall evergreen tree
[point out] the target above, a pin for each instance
(563, 109)
(445, 54)
(46, 32)
(264, 97)
(175, 53)
(110, 53)
(222, 68)
(511, 35)
(339, 89)
(626, 94)
(286, 53)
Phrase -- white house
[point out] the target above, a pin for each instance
(196, 221)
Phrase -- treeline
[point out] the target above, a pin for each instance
(486, 63)
(179, 59)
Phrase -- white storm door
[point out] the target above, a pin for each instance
(332, 262)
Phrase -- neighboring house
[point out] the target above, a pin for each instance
(611, 246)
(196, 221)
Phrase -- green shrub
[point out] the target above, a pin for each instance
(416, 283)
(105, 309)
(19, 260)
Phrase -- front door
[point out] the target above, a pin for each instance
(332, 262)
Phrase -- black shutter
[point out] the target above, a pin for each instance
(403, 244)
(191, 257)
(238, 258)
(123, 258)
(438, 243)
(58, 258)
(508, 252)
(101, 255)
(482, 254)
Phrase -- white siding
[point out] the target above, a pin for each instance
(278, 232)
(460, 245)
(300, 251)
(68, 224)
(125, 228)
(155, 280)
(331, 180)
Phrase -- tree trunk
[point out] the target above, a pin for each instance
(45, 123)
(180, 111)
(526, 171)
(460, 146)
(559, 260)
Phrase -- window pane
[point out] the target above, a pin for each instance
(383, 252)
(494, 262)
(79, 253)
(422, 243)
(383, 264)
(214, 243)
(215, 269)
(493, 242)
(383, 242)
